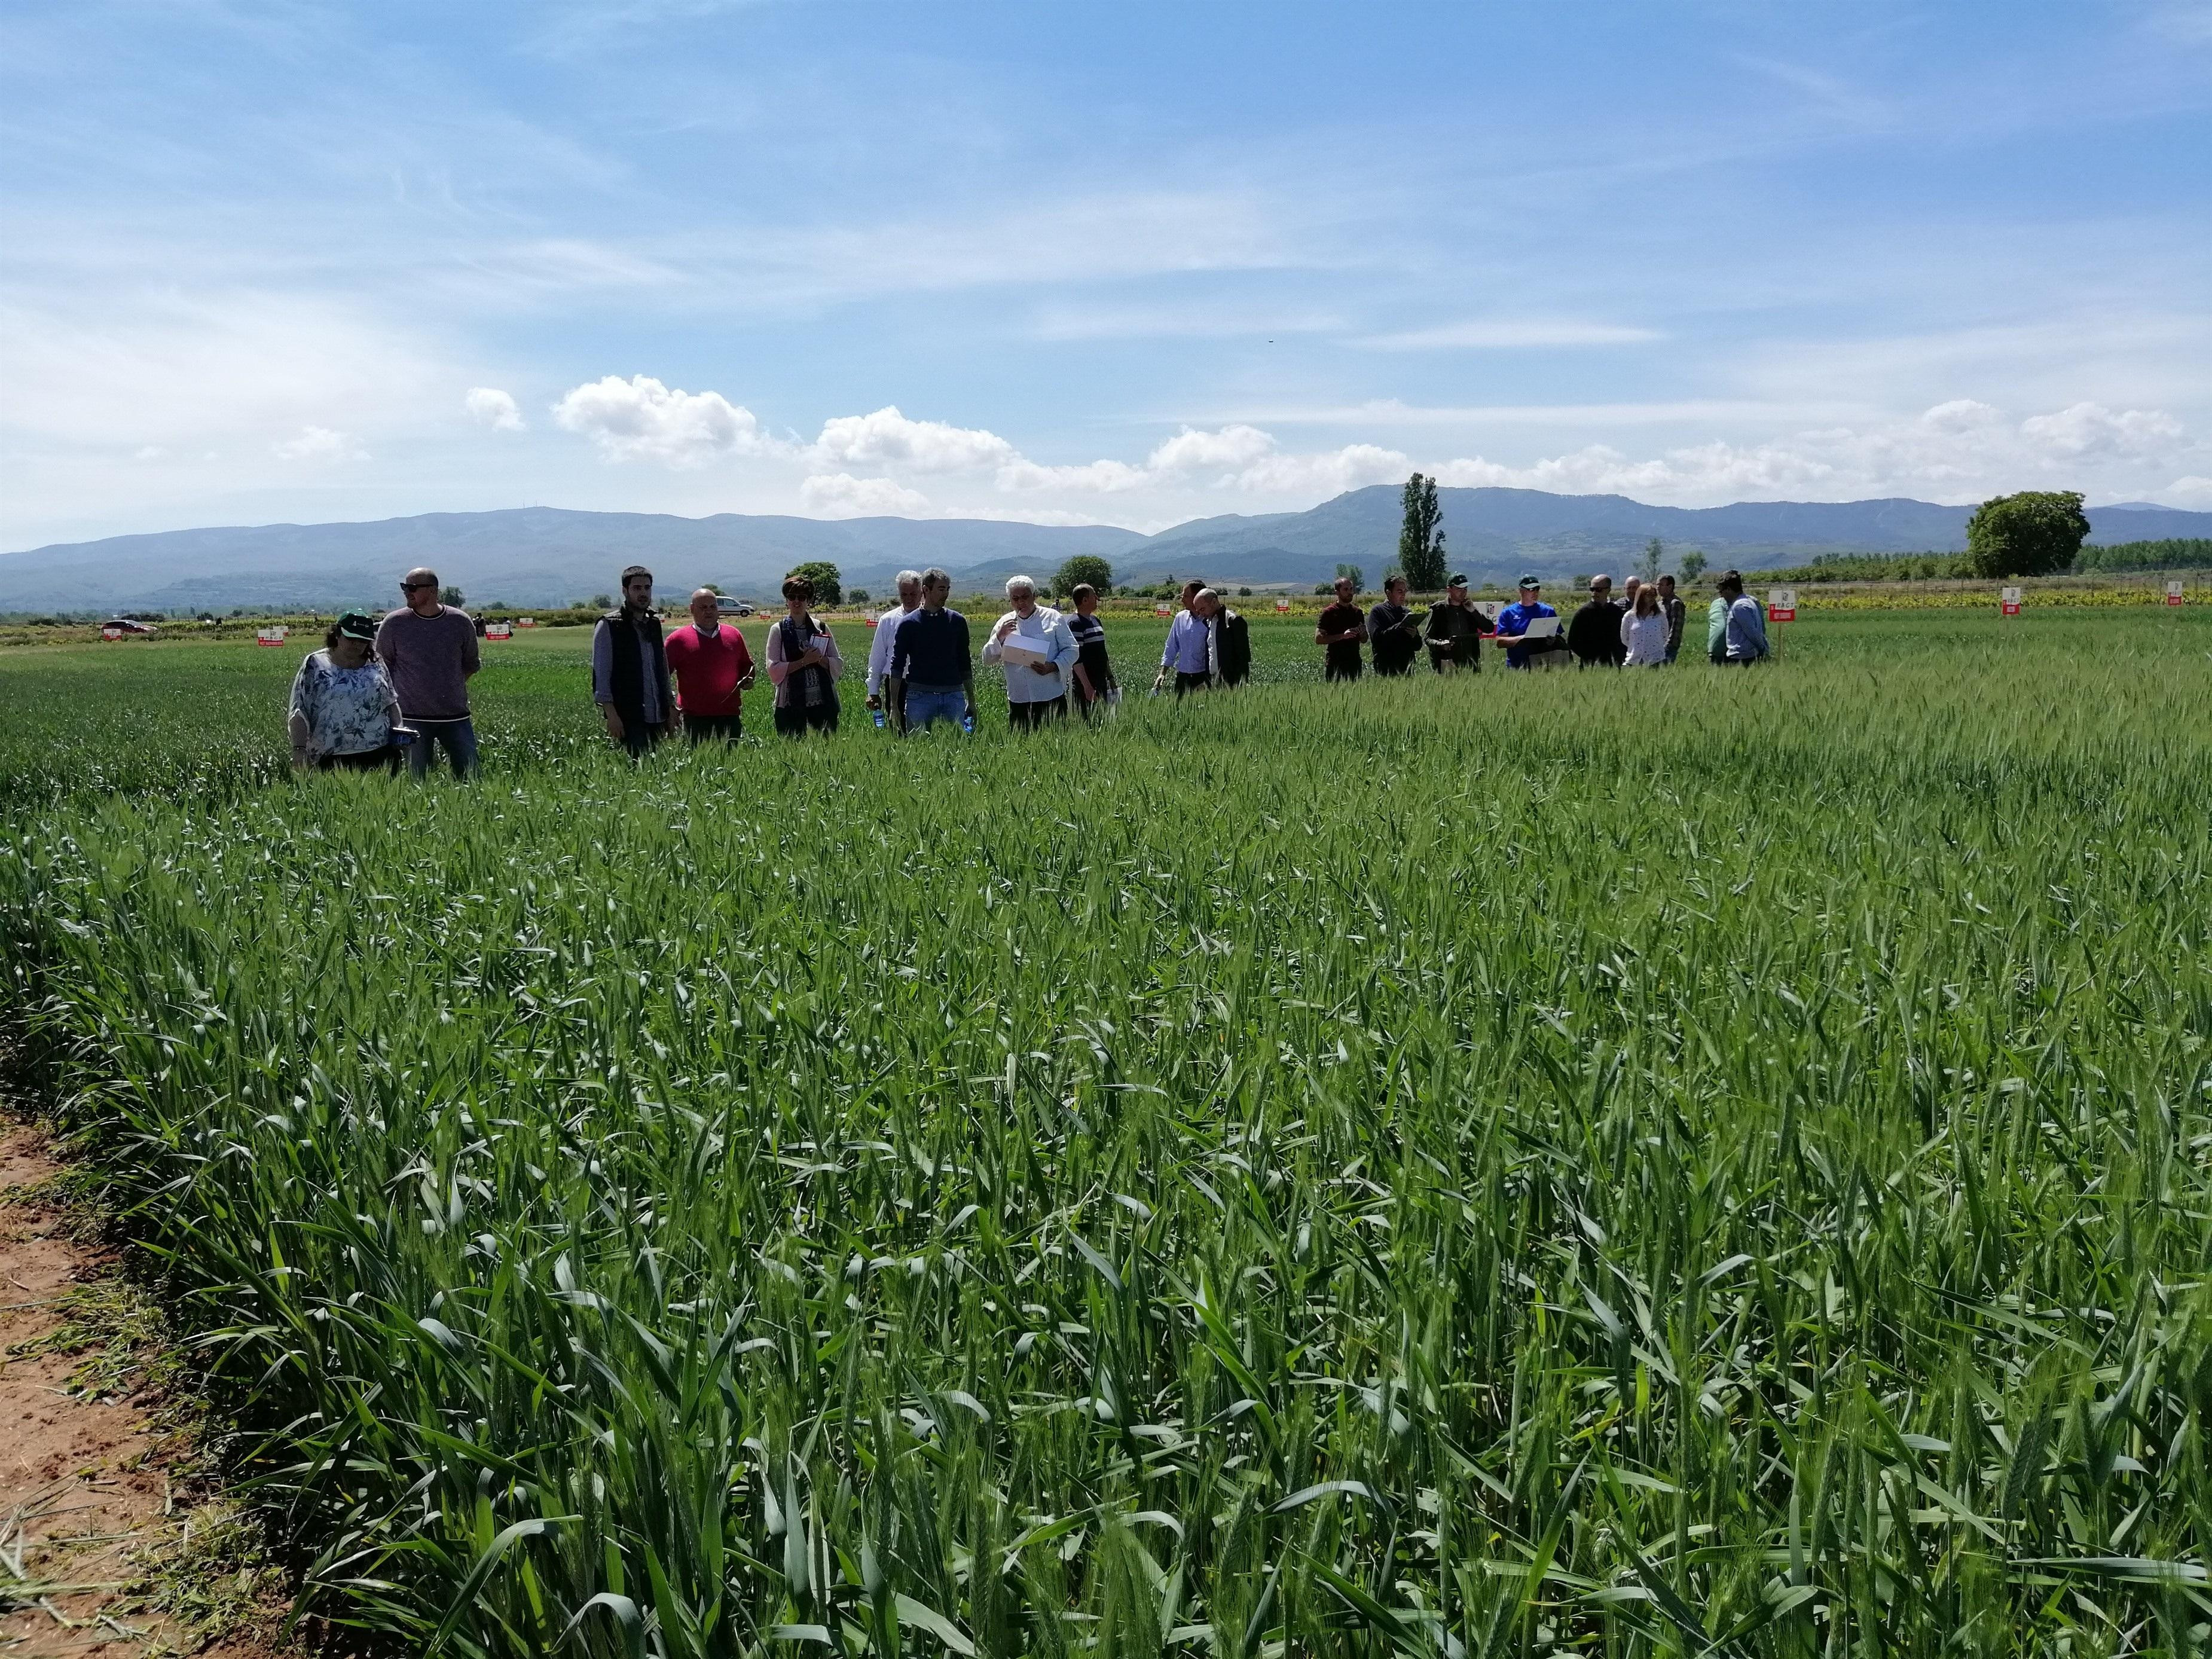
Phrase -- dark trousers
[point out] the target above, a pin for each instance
(386, 759)
(797, 722)
(1027, 716)
(1440, 660)
(638, 736)
(700, 727)
(1349, 670)
(1392, 669)
(1191, 682)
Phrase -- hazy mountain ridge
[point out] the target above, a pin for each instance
(543, 556)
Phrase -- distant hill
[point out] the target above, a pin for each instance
(545, 555)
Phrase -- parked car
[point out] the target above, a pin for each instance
(730, 607)
(128, 625)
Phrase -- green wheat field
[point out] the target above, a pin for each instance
(1666, 1164)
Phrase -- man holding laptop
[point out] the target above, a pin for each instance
(1528, 628)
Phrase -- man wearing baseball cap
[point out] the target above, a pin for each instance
(1513, 624)
(1455, 629)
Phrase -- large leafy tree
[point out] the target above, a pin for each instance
(1421, 539)
(1083, 567)
(2034, 533)
(828, 586)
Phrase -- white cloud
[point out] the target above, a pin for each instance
(1330, 473)
(1233, 447)
(1957, 450)
(841, 495)
(1508, 334)
(888, 438)
(493, 408)
(319, 443)
(640, 418)
(2191, 493)
(2093, 429)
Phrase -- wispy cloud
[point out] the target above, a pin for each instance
(1511, 334)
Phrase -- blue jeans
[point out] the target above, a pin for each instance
(459, 738)
(926, 705)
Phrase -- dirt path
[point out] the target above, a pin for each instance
(106, 1546)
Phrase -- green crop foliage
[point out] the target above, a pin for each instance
(1686, 1162)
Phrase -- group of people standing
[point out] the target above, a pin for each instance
(382, 691)
(1644, 630)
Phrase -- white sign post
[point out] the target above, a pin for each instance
(2174, 592)
(2008, 601)
(1782, 604)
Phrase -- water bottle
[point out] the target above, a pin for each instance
(877, 716)
(967, 722)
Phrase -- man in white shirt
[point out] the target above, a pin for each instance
(880, 649)
(1033, 642)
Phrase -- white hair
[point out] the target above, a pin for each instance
(906, 576)
(1019, 585)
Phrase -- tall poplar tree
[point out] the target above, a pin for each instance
(1421, 540)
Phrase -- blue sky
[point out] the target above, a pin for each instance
(1120, 264)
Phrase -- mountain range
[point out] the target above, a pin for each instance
(547, 555)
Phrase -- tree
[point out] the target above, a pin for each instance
(1421, 541)
(1652, 555)
(451, 595)
(1243, 592)
(2034, 533)
(602, 601)
(858, 596)
(1693, 562)
(1083, 567)
(828, 589)
(1358, 576)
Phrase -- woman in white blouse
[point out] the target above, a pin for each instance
(1644, 630)
(344, 716)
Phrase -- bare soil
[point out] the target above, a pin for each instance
(111, 1543)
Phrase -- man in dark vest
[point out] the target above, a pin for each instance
(630, 668)
(1232, 639)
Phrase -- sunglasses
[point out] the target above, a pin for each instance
(415, 587)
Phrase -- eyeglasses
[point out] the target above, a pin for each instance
(413, 587)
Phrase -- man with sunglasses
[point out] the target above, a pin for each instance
(430, 651)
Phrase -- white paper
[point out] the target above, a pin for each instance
(1026, 648)
(1543, 628)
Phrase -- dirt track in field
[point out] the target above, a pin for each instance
(95, 1498)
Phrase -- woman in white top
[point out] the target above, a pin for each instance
(803, 664)
(344, 714)
(1644, 630)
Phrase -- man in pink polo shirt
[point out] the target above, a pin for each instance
(712, 669)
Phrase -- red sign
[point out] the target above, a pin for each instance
(2008, 601)
(269, 636)
(1282, 604)
(867, 622)
(2173, 593)
(111, 632)
(526, 621)
(498, 631)
(1782, 604)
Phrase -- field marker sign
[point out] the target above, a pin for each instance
(269, 636)
(111, 632)
(1489, 608)
(498, 631)
(1782, 604)
(525, 622)
(1164, 610)
(2174, 592)
(2008, 601)
(1282, 604)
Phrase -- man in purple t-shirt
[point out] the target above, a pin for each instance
(429, 650)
